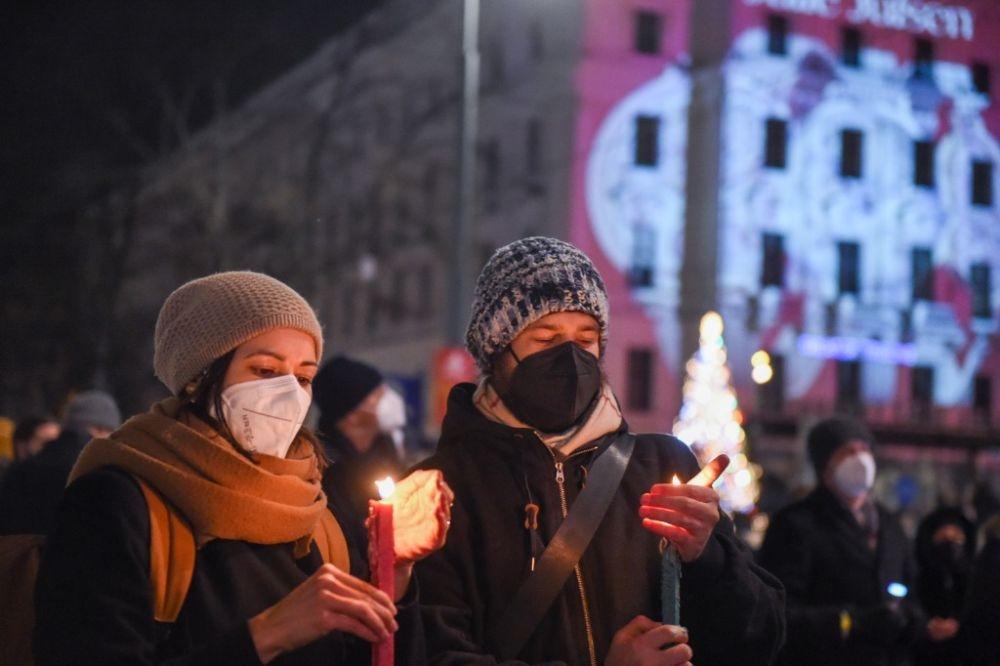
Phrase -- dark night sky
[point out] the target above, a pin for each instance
(74, 73)
(83, 85)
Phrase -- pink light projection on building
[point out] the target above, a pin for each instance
(859, 236)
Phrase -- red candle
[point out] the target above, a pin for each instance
(382, 561)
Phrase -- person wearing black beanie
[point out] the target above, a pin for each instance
(839, 554)
(360, 424)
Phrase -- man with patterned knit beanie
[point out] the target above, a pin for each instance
(554, 554)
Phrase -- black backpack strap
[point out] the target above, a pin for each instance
(536, 594)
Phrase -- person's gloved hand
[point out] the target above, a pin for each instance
(881, 625)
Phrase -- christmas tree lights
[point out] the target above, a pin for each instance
(710, 421)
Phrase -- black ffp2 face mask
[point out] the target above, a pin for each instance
(550, 390)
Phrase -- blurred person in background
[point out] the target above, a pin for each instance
(361, 427)
(980, 633)
(34, 485)
(837, 551)
(945, 547)
(32, 433)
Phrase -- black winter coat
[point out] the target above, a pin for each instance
(349, 481)
(732, 608)
(821, 554)
(32, 487)
(980, 632)
(94, 605)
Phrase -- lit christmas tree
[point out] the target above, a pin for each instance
(710, 419)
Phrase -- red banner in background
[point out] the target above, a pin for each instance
(452, 365)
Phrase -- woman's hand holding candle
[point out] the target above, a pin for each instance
(685, 514)
(421, 516)
(329, 600)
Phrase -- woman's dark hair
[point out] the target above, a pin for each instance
(203, 397)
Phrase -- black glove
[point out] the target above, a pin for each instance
(882, 625)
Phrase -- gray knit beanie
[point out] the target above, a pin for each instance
(91, 409)
(526, 280)
(209, 317)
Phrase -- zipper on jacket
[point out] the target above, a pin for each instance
(560, 482)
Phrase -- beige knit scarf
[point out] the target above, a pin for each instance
(221, 493)
(605, 416)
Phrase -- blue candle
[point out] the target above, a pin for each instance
(670, 581)
(670, 585)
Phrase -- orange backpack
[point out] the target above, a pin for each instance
(171, 566)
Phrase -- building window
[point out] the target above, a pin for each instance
(348, 309)
(642, 270)
(640, 380)
(921, 271)
(424, 302)
(848, 268)
(982, 398)
(772, 273)
(536, 37)
(648, 31)
(922, 390)
(848, 386)
(850, 47)
(397, 300)
(533, 149)
(980, 281)
(850, 153)
(490, 156)
(496, 64)
(775, 143)
(429, 186)
(771, 394)
(981, 77)
(982, 183)
(923, 57)
(373, 306)
(647, 138)
(777, 34)
(923, 163)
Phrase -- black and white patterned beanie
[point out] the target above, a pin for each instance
(526, 280)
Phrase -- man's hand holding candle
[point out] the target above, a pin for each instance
(685, 514)
(421, 506)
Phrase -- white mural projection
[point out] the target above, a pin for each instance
(857, 213)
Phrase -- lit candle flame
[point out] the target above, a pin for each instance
(385, 487)
(675, 481)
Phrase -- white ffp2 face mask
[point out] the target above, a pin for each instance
(390, 412)
(265, 415)
(855, 474)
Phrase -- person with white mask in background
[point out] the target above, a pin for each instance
(843, 559)
(361, 426)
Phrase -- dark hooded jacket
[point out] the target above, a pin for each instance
(821, 555)
(979, 635)
(94, 601)
(33, 487)
(943, 581)
(349, 481)
(732, 608)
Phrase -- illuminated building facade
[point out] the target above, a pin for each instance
(849, 151)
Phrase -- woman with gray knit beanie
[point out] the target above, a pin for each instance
(198, 532)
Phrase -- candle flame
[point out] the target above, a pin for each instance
(675, 481)
(385, 487)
